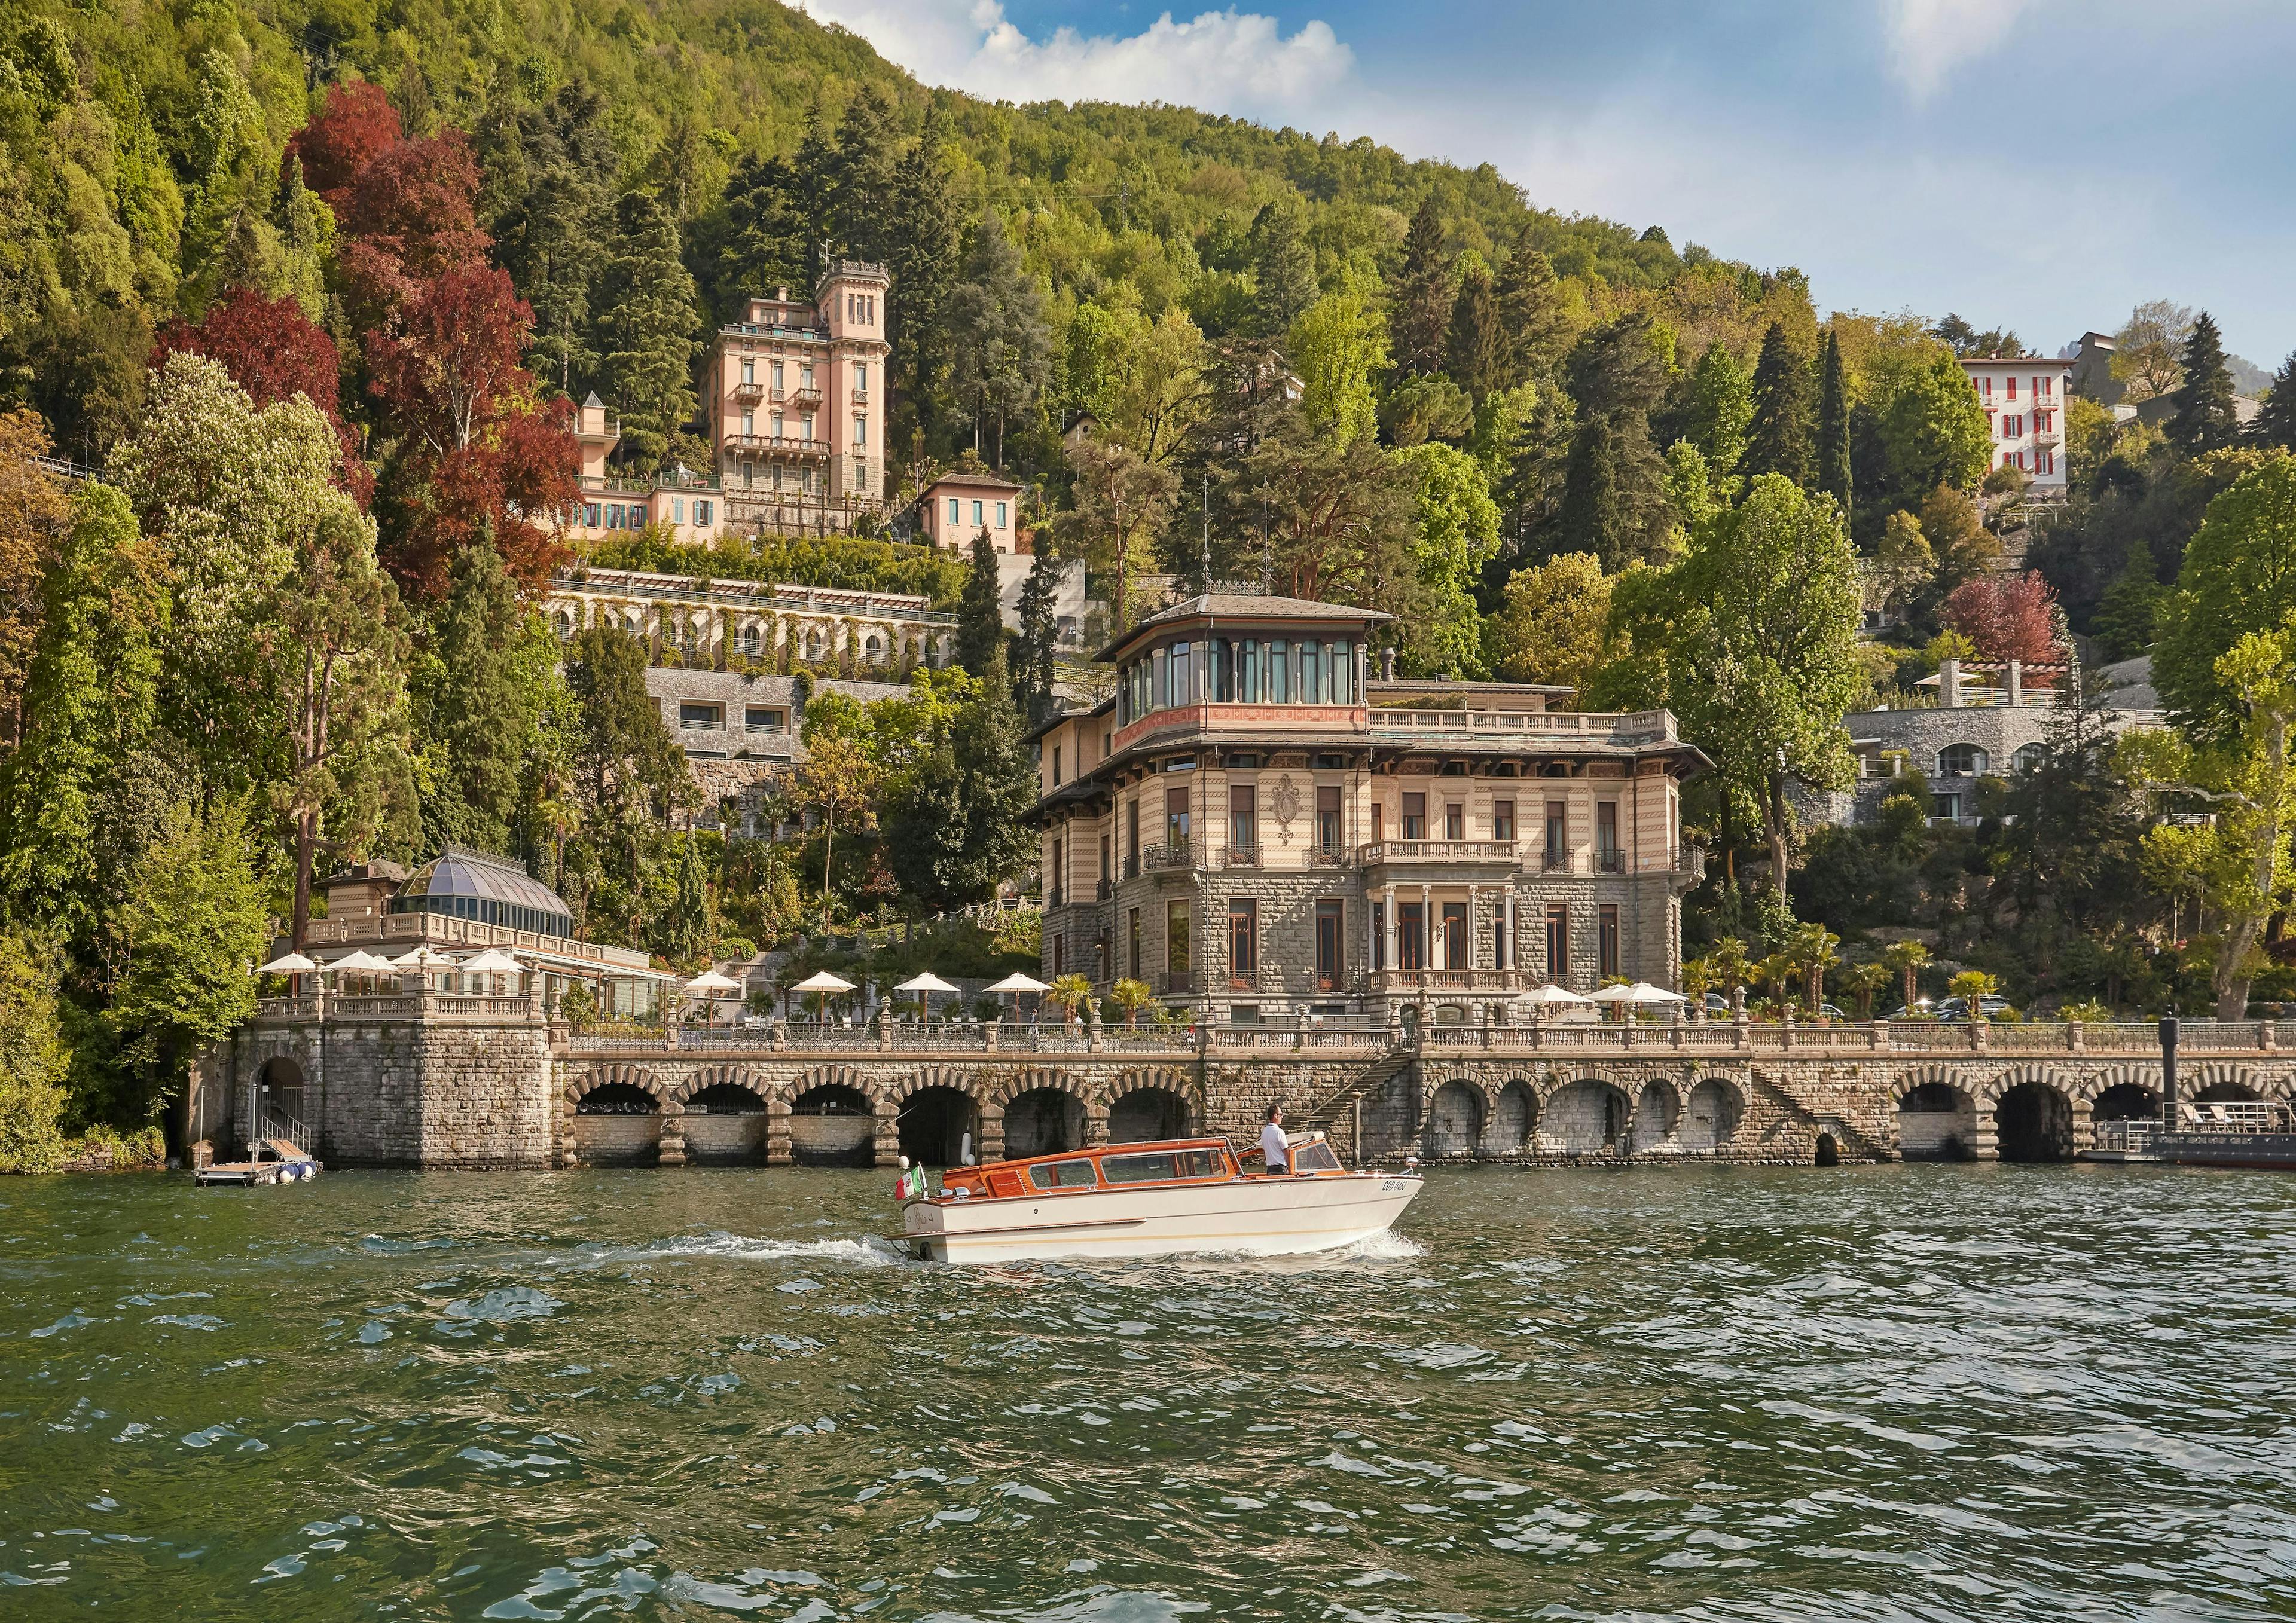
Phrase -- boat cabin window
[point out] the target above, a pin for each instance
(1313, 1158)
(1062, 1174)
(1160, 1166)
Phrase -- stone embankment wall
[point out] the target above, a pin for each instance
(491, 1083)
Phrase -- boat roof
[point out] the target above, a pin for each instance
(1202, 1141)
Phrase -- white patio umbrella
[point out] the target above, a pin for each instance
(1621, 993)
(493, 961)
(1016, 983)
(424, 956)
(709, 984)
(1643, 991)
(1552, 995)
(360, 962)
(925, 984)
(826, 985)
(291, 963)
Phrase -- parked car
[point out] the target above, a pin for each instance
(1955, 1010)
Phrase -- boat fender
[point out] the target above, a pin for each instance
(1411, 1163)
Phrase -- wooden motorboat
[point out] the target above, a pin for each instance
(1156, 1199)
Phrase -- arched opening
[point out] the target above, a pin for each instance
(1455, 1122)
(1584, 1118)
(1450, 1014)
(1513, 1117)
(1146, 1113)
(1829, 1153)
(1656, 1116)
(1937, 1122)
(940, 1126)
(2034, 1122)
(833, 1126)
(1710, 1119)
(2225, 1093)
(617, 1125)
(876, 649)
(2126, 1101)
(724, 1126)
(279, 1099)
(1044, 1122)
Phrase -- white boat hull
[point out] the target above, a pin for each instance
(1249, 1217)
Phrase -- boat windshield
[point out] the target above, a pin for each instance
(1315, 1158)
(1159, 1166)
(1062, 1174)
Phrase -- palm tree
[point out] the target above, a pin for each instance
(1131, 996)
(1726, 966)
(1863, 981)
(559, 813)
(1071, 992)
(1908, 958)
(1972, 987)
(1811, 949)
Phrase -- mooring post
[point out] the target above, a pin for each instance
(2167, 1073)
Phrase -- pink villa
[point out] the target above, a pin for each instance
(955, 507)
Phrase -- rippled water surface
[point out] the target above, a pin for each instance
(1928, 1392)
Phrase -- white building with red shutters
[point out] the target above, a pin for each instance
(2024, 401)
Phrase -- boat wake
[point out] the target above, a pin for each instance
(744, 1248)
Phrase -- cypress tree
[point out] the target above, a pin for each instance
(686, 933)
(1421, 296)
(996, 786)
(2275, 424)
(1832, 424)
(924, 250)
(478, 700)
(1593, 517)
(1473, 346)
(1529, 303)
(1779, 441)
(1283, 271)
(979, 612)
(2203, 420)
(1721, 408)
(646, 329)
(1039, 632)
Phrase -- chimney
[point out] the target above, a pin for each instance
(781, 294)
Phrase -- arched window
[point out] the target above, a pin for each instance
(1962, 761)
(565, 626)
(2029, 757)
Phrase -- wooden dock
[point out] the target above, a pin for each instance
(287, 1164)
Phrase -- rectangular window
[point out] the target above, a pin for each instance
(677, 510)
(1064, 1175)
(1415, 816)
(1056, 766)
(1132, 832)
(1606, 836)
(1244, 940)
(955, 517)
(1000, 515)
(1455, 822)
(1330, 943)
(860, 432)
(690, 715)
(1378, 822)
(1242, 818)
(1411, 935)
(1160, 1166)
(1184, 687)
(1104, 859)
(749, 371)
(860, 377)
(1279, 673)
(1609, 939)
(1132, 942)
(1948, 807)
(1311, 674)
(2013, 386)
(777, 377)
(1558, 944)
(590, 514)
(1454, 935)
(1060, 956)
(976, 514)
(703, 514)
(757, 720)
(1176, 938)
(1327, 817)
(1176, 818)
(1379, 935)
(1502, 821)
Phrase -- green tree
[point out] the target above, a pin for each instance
(1474, 345)
(1002, 360)
(840, 783)
(1455, 531)
(1957, 534)
(33, 1059)
(1832, 423)
(2238, 576)
(1338, 346)
(2147, 350)
(647, 325)
(1119, 502)
(1550, 627)
(981, 615)
(1933, 431)
(1721, 408)
(623, 750)
(1779, 436)
(547, 171)
(1420, 296)
(1614, 502)
(193, 929)
(1752, 638)
(1039, 634)
(924, 247)
(481, 682)
(1907, 959)
(1904, 565)
(1284, 270)
(2275, 424)
(1534, 332)
(997, 788)
(2203, 420)
(691, 925)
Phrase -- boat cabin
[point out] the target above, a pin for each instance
(1179, 1160)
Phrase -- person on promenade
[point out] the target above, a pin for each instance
(1275, 1145)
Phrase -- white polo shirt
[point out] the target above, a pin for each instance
(1275, 1146)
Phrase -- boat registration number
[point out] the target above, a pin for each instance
(1394, 1185)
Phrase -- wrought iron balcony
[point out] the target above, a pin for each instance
(1439, 851)
(1178, 854)
(1241, 857)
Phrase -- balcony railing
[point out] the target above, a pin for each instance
(806, 394)
(1439, 850)
(1240, 856)
(1103, 892)
(1178, 854)
(1329, 856)
(777, 445)
(750, 394)
(1132, 865)
(1610, 862)
(1557, 862)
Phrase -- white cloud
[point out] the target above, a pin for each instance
(1222, 61)
(1930, 38)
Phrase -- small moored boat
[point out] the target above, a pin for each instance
(1151, 1200)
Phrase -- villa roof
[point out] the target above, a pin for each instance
(1240, 606)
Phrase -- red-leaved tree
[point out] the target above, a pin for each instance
(2013, 617)
(275, 352)
(358, 126)
(479, 451)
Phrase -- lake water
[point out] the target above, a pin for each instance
(1898, 1393)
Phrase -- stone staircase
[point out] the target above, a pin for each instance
(1336, 1114)
(1861, 1126)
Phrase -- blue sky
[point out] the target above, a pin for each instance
(2042, 164)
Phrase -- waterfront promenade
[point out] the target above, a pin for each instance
(463, 1081)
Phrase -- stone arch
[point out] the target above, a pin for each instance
(586, 1082)
(705, 1079)
(726, 1115)
(1044, 1111)
(1587, 1115)
(1149, 1105)
(1937, 1121)
(2032, 1117)
(279, 1096)
(1455, 1119)
(1710, 1115)
(1657, 1116)
(832, 1118)
(939, 1116)
(1512, 1119)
